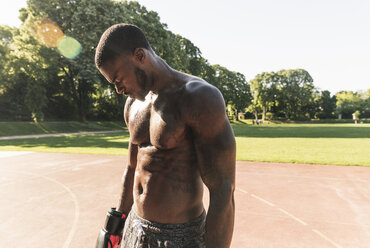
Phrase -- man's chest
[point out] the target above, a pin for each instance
(157, 123)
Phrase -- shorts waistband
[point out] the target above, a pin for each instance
(195, 225)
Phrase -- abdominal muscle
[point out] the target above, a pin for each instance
(167, 186)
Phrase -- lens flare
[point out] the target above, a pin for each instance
(49, 33)
(69, 47)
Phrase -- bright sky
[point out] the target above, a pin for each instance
(328, 38)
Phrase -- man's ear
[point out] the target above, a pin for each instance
(140, 55)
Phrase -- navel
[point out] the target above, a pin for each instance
(140, 188)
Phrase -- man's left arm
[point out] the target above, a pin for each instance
(215, 147)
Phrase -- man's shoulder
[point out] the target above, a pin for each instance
(199, 89)
(202, 99)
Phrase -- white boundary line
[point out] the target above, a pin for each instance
(324, 237)
(71, 233)
(77, 210)
(291, 216)
(241, 190)
(263, 200)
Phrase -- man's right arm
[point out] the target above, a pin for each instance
(126, 198)
(111, 234)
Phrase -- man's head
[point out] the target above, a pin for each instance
(120, 39)
(121, 56)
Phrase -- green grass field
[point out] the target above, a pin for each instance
(25, 128)
(338, 144)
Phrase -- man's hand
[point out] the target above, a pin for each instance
(105, 240)
(110, 236)
(116, 241)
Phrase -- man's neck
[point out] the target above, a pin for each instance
(163, 75)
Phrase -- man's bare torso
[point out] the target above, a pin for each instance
(167, 185)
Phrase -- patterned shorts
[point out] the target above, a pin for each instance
(141, 233)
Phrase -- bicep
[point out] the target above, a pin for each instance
(213, 140)
(216, 157)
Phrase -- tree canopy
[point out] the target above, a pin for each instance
(40, 80)
(48, 71)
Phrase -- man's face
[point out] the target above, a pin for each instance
(128, 78)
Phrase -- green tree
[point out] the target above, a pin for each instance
(31, 64)
(86, 21)
(366, 104)
(264, 91)
(241, 95)
(326, 105)
(254, 108)
(74, 88)
(295, 93)
(348, 102)
(233, 87)
(17, 81)
(6, 38)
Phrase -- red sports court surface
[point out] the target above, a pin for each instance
(60, 200)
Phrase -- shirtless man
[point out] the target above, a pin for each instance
(180, 138)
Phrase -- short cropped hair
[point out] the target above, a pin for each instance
(117, 40)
